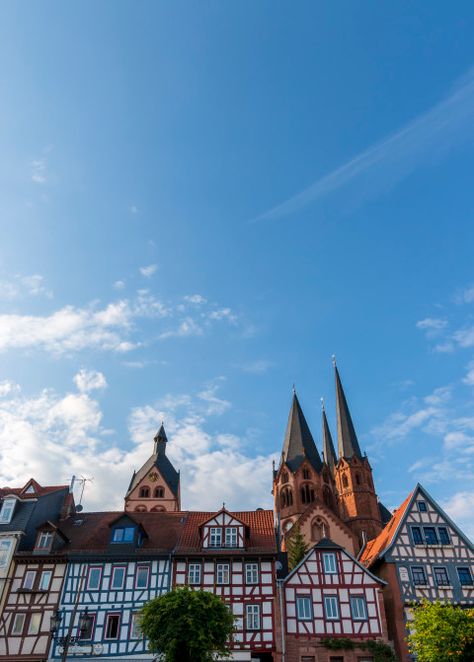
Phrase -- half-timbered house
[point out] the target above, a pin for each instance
(421, 553)
(330, 595)
(116, 563)
(233, 554)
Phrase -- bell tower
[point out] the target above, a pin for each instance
(358, 502)
(156, 486)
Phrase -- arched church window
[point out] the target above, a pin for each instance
(144, 492)
(327, 496)
(345, 482)
(157, 509)
(358, 482)
(307, 493)
(286, 497)
(140, 509)
(319, 529)
(325, 476)
(306, 474)
(159, 492)
(284, 477)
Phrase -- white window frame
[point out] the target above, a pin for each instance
(44, 536)
(45, 583)
(194, 574)
(15, 631)
(356, 602)
(304, 608)
(231, 536)
(94, 588)
(112, 577)
(8, 508)
(142, 568)
(222, 573)
(5, 548)
(329, 563)
(135, 632)
(252, 617)
(331, 607)
(251, 573)
(28, 585)
(34, 626)
(106, 626)
(215, 536)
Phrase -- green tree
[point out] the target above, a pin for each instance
(296, 547)
(187, 626)
(441, 632)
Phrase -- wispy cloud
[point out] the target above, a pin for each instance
(430, 135)
(133, 209)
(258, 367)
(39, 171)
(90, 380)
(19, 287)
(148, 271)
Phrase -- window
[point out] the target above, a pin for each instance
(222, 573)
(144, 492)
(304, 611)
(123, 534)
(286, 497)
(215, 537)
(45, 580)
(284, 477)
(443, 535)
(358, 608)
(118, 577)
(252, 617)
(251, 573)
(357, 479)
(18, 624)
(465, 576)
(45, 540)
(419, 576)
(194, 573)
(6, 513)
(135, 631)
(142, 577)
(29, 580)
(231, 536)
(331, 607)
(421, 506)
(35, 623)
(307, 494)
(5, 546)
(329, 563)
(416, 534)
(159, 492)
(345, 482)
(319, 529)
(86, 633)
(441, 577)
(93, 580)
(112, 626)
(306, 474)
(430, 535)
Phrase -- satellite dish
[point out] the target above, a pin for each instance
(79, 508)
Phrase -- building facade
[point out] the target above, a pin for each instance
(421, 553)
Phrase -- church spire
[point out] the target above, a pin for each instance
(328, 447)
(299, 443)
(160, 440)
(346, 437)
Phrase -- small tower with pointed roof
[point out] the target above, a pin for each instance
(358, 502)
(156, 486)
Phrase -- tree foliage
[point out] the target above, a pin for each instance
(441, 632)
(296, 546)
(187, 626)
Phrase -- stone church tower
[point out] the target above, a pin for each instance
(156, 486)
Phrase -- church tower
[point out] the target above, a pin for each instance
(358, 502)
(156, 486)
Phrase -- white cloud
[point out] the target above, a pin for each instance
(258, 367)
(22, 286)
(119, 284)
(38, 171)
(90, 380)
(467, 296)
(148, 271)
(465, 337)
(460, 507)
(469, 378)
(187, 327)
(432, 326)
(195, 298)
(222, 313)
(8, 387)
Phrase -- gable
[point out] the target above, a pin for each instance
(223, 530)
(319, 516)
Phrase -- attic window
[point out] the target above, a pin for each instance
(159, 492)
(44, 540)
(144, 492)
(30, 490)
(123, 534)
(421, 506)
(6, 513)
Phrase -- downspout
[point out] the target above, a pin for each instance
(280, 583)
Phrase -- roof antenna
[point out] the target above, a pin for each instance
(82, 481)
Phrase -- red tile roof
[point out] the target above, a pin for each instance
(375, 548)
(39, 490)
(260, 526)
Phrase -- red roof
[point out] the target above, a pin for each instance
(260, 527)
(39, 490)
(375, 548)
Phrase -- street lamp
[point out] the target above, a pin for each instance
(85, 622)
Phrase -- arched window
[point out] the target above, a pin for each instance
(140, 509)
(157, 509)
(144, 492)
(307, 494)
(159, 492)
(286, 497)
(325, 476)
(327, 496)
(319, 529)
(284, 477)
(358, 479)
(306, 474)
(345, 482)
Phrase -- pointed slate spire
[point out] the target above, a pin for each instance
(347, 443)
(160, 440)
(299, 443)
(328, 447)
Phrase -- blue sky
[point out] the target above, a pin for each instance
(200, 203)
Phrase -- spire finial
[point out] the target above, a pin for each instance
(333, 357)
(294, 388)
(322, 404)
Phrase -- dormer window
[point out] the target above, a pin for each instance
(231, 536)
(215, 537)
(123, 534)
(44, 541)
(6, 513)
(30, 489)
